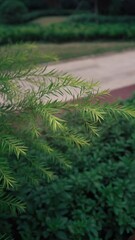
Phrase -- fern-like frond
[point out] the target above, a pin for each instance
(12, 144)
(73, 138)
(101, 94)
(91, 128)
(55, 106)
(28, 126)
(57, 157)
(52, 153)
(6, 178)
(124, 111)
(46, 172)
(33, 130)
(58, 83)
(39, 166)
(9, 202)
(95, 113)
(52, 121)
(42, 145)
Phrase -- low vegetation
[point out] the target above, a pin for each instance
(92, 18)
(66, 168)
(31, 117)
(65, 32)
(81, 49)
(92, 200)
(46, 53)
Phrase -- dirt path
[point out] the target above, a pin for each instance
(112, 70)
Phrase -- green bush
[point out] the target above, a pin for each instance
(65, 32)
(92, 201)
(12, 12)
(31, 117)
(91, 18)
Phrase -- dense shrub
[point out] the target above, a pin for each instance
(65, 32)
(91, 18)
(30, 107)
(92, 201)
(12, 11)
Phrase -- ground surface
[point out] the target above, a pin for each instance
(114, 71)
(80, 49)
(48, 20)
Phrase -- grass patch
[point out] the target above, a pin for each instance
(76, 50)
(52, 52)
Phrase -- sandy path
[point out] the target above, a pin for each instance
(112, 70)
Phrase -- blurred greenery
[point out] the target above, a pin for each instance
(103, 6)
(31, 9)
(91, 18)
(50, 52)
(12, 12)
(66, 32)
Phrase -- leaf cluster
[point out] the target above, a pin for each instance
(32, 113)
(92, 200)
(67, 32)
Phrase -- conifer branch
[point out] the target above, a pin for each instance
(119, 110)
(13, 145)
(9, 202)
(31, 118)
(6, 178)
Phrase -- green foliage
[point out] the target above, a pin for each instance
(91, 18)
(12, 12)
(32, 114)
(67, 32)
(94, 199)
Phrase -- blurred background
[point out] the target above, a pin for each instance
(67, 30)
